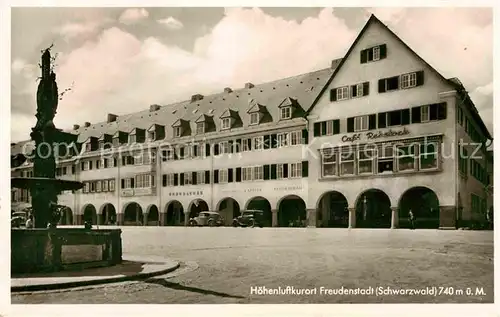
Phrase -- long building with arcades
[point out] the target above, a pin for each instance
(358, 144)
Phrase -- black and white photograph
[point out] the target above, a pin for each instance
(249, 155)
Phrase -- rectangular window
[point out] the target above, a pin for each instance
(424, 113)
(376, 53)
(361, 123)
(226, 123)
(105, 185)
(258, 172)
(132, 138)
(258, 143)
(386, 158)
(283, 139)
(408, 80)
(111, 185)
(463, 162)
(200, 177)
(188, 178)
(365, 161)
(116, 142)
(279, 171)
(286, 113)
(394, 118)
(200, 128)
(347, 163)
(329, 158)
(224, 147)
(88, 147)
(343, 93)
(254, 118)
(295, 170)
(295, 137)
(428, 156)
(98, 186)
(406, 158)
(246, 145)
(223, 176)
(152, 136)
(177, 132)
(246, 174)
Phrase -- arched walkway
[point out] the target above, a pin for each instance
(373, 210)
(424, 204)
(66, 218)
(260, 203)
(197, 206)
(132, 215)
(332, 210)
(108, 214)
(89, 214)
(229, 209)
(292, 212)
(153, 216)
(174, 214)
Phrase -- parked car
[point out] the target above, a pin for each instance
(249, 218)
(17, 222)
(207, 218)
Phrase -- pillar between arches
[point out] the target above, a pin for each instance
(395, 218)
(352, 217)
(274, 213)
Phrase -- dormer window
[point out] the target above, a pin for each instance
(177, 132)
(88, 147)
(132, 138)
(226, 123)
(286, 113)
(254, 118)
(200, 128)
(116, 142)
(151, 136)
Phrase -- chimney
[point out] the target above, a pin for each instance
(76, 126)
(12, 144)
(196, 97)
(154, 107)
(87, 124)
(249, 85)
(228, 90)
(112, 117)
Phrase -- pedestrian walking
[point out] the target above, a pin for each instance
(411, 218)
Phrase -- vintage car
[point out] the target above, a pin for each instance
(249, 218)
(207, 218)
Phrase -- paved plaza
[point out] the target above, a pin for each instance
(221, 265)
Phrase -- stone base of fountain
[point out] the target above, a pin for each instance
(49, 250)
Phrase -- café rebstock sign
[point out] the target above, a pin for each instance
(375, 135)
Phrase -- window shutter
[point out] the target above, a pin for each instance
(420, 78)
(181, 152)
(383, 51)
(82, 165)
(90, 165)
(323, 128)
(207, 177)
(354, 91)
(433, 111)
(231, 149)
(305, 136)
(350, 125)
(216, 149)
(195, 150)
(415, 115)
(176, 179)
(237, 147)
(405, 116)
(317, 129)
(238, 174)
(132, 182)
(336, 126)
(381, 85)
(366, 89)
(382, 120)
(266, 172)
(181, 179)
(123, 183)
(73, 169)
(207, 149)
(267, 140)
(364, 56)
(250, 146)
(273, 141)
(216, 176)
(229, 175)
(273, 171)
(305, 168)
(333, 94)
(164, 180)
(372, 122)
(442, 111)
(285, 170)
(370, 54)
(194, 178)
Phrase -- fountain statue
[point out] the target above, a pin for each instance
(44, 187)
(46, 247)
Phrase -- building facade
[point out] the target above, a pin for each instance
(359, 144)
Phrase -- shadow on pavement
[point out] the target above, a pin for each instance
(178, 286)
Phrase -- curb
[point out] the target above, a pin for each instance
(114, 279)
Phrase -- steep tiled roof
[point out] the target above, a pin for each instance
(303, 88)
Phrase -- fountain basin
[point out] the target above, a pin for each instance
(48, 250)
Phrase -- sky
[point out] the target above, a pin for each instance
(121, 60)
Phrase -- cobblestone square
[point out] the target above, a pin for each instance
(221, 265)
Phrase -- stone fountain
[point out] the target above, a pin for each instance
(46, 247)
